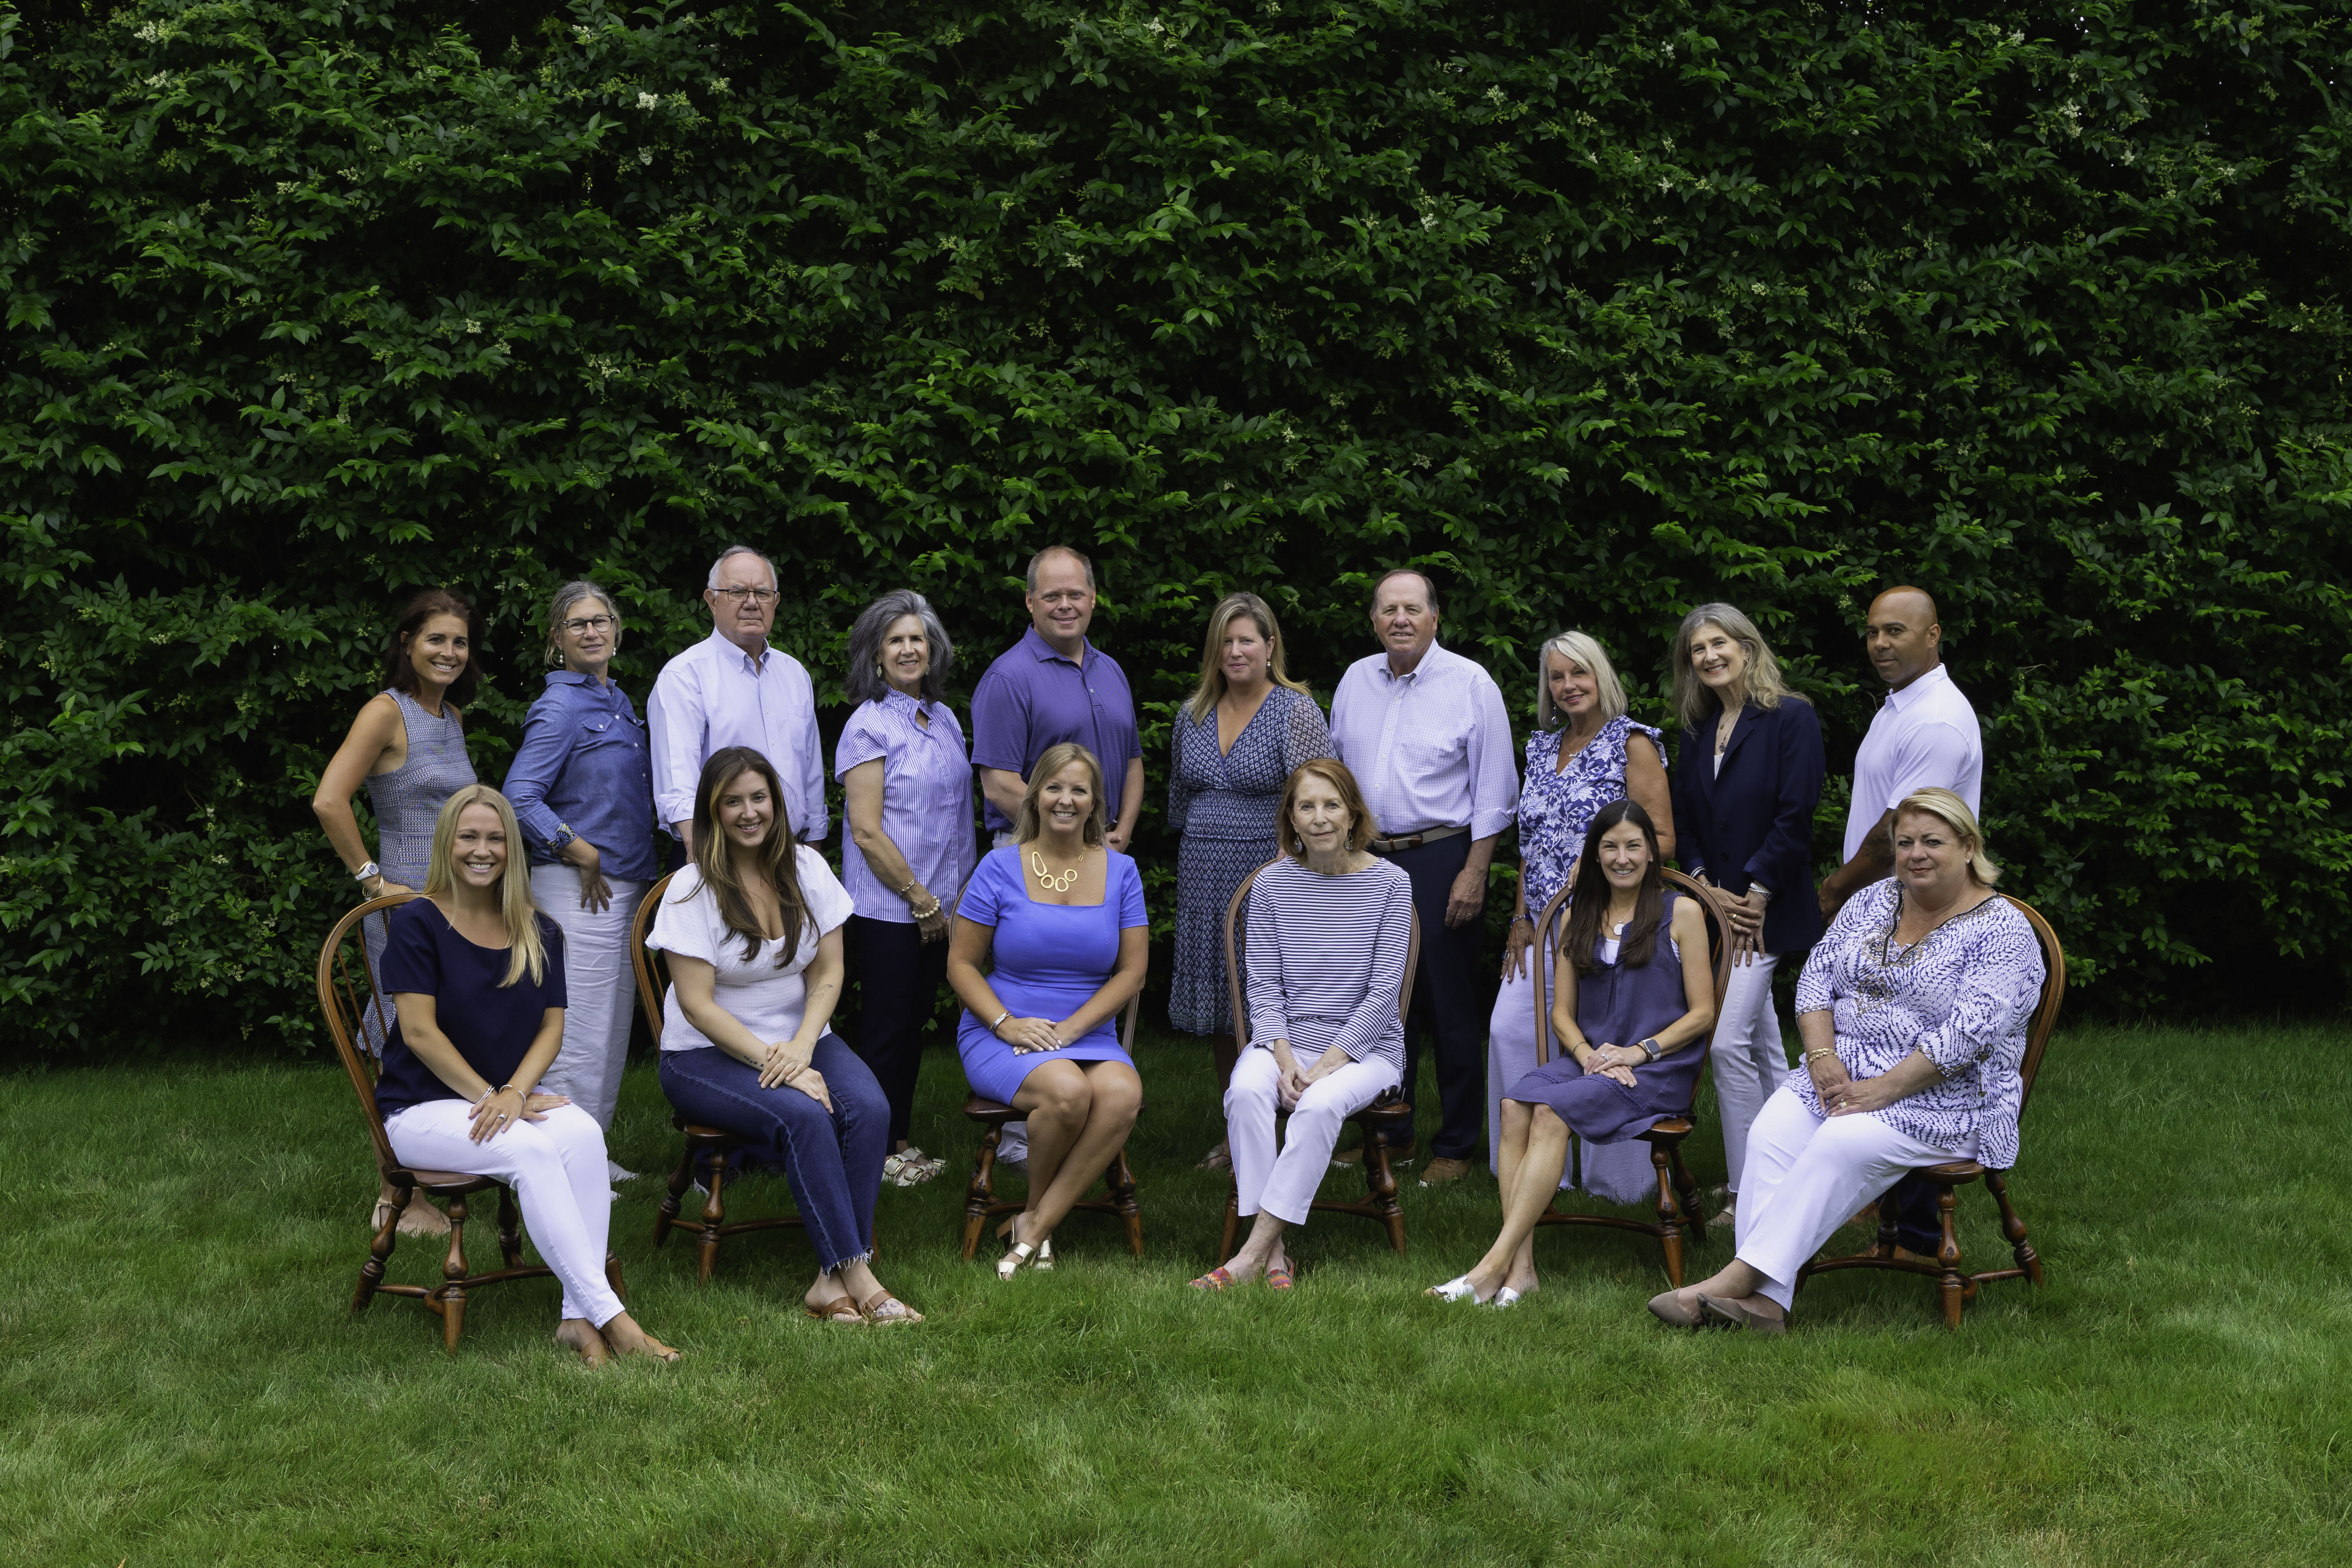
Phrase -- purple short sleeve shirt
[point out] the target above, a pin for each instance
(1033, 698)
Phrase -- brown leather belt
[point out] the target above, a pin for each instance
(1413, 840)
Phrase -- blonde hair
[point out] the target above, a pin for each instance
(1953, 812)
(1577, 647)
(1761, 681)
(1362, 828)
(1030, 823)
(1231, 608)
(528, 953)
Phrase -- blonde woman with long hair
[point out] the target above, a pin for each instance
(1246, 728)
(476, 974)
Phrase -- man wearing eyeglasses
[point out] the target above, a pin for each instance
(733, 690)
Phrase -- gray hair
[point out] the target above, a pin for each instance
(1694, 703)
(1428, 586)
(730, 554)
(1030, 577)
(864, 679)
(560, 608)
(1577, 647)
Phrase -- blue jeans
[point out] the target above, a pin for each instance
(833, 1162)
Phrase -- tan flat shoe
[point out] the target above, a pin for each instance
(1717, 1313)
(1668, 1307)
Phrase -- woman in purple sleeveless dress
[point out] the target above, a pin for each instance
(1630, 1016)
(408, 748)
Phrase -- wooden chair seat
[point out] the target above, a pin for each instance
(1950, 1176)
(346, 995)
(1681, 1218)
(1377, 1121)
(707, 1149)
(980, 1203)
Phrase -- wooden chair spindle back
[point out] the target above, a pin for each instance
(347, 992)
(1543, 952)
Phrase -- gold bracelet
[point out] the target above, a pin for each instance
(1820, 1051)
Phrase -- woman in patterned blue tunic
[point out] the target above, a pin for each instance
(1582, 757)
(1236, 743)
(1914, 1009)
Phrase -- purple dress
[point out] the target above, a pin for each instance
(1048, 959)
(1620, 1007)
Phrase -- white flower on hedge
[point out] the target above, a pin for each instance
(645, 155)
(472, 325)
(648, 101)
(582, 34)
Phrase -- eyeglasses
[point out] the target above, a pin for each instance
(757, 595)
(598, 623)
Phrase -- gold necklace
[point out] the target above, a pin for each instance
(1061, 884)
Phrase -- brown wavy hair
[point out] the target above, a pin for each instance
(1589, 905)
(1362, 828)
(401, 676)
(714, 857)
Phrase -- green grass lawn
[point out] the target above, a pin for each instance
(181, 1383)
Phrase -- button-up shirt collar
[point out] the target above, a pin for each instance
(1430, 748)
(716, 695)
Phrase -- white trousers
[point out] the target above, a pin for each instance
(600, 988)
(1807, 1174)
(557, 1169)
(1615, 1172)
(1749, 1062)
(1284, 1186)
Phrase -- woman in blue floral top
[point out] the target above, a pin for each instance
(1582, 757)
(1914, 1009)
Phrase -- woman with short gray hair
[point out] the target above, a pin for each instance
(581, 785)
(1582, 756)
(907, 773)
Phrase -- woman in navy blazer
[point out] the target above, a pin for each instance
(1745, 785)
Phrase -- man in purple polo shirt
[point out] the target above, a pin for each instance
(1050, 686)
(1054, 686)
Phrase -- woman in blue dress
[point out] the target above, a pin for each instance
(1061, 914)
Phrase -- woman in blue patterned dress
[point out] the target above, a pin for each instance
(1582, 757)
(408, 748)
(1236, 743)
(1914, 1010)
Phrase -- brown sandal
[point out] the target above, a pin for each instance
(877, 1312)
(840, 1310)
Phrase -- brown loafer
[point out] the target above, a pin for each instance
(1667, 1308)
(1717, 1313)
(1443, 1170)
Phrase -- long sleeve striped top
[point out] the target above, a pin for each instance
(1324, 958)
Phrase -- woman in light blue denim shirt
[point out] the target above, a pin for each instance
(582, 790)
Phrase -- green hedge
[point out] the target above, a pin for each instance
(1596, 312)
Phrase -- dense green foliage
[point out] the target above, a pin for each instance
(180, 1382)
(1596, 312)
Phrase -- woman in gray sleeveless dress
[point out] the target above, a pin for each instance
(408, 748)
(1628, 1013)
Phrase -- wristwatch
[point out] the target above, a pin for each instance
(1649, 1047)
(367, 873)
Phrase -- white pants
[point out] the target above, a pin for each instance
(1284, 1186)
(557, 1169)
(599, 988)
(1615, 1172)
(1749, 1061)
(1807, 1174)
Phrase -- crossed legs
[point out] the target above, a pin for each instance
(1079, 1116)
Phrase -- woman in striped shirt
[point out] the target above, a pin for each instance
(1329, 927)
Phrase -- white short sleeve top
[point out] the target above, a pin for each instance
(767, 1000)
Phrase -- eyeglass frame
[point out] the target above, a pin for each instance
(585, 624)
(759, 595)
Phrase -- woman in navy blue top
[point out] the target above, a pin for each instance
(476, 975)
(583, 788)
(1745, 785)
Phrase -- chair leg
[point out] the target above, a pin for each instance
(509, 1228)
(1233, 1218)
(453, 1276)
(1694, 1216)
(1947, 1253)
(679, 1180)
(1997, 1184)
(1121, 1179)
(1382, 1182)
(453, 1316)
(380, 1250)
(612, 1277)
(1670, 1215)
(980, 1191)
(1888, 1236)
(714, 1211)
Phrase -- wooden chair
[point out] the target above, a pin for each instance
(1959, 1288)
(980, 1203)
(1678, 1201)
(347, 993)
(706, 1148)
(1381, 1117)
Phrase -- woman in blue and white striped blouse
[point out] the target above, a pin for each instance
(1329, 926)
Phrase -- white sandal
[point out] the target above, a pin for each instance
(1022, 1256)
(1458, 1288)
(1503, 1297)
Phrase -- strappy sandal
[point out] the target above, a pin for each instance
(1045, 1264)
(1214, 1280)
(1504, 1299)
(885, 1310)
(1279, 1277)
(840, 1310)
(1220, 1158)
(1022, 1256)
(1457, 1289)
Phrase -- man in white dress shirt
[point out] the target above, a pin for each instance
(1925, 735)
(1425, 733)
(733, 690)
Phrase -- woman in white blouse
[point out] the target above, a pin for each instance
(753, 933)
